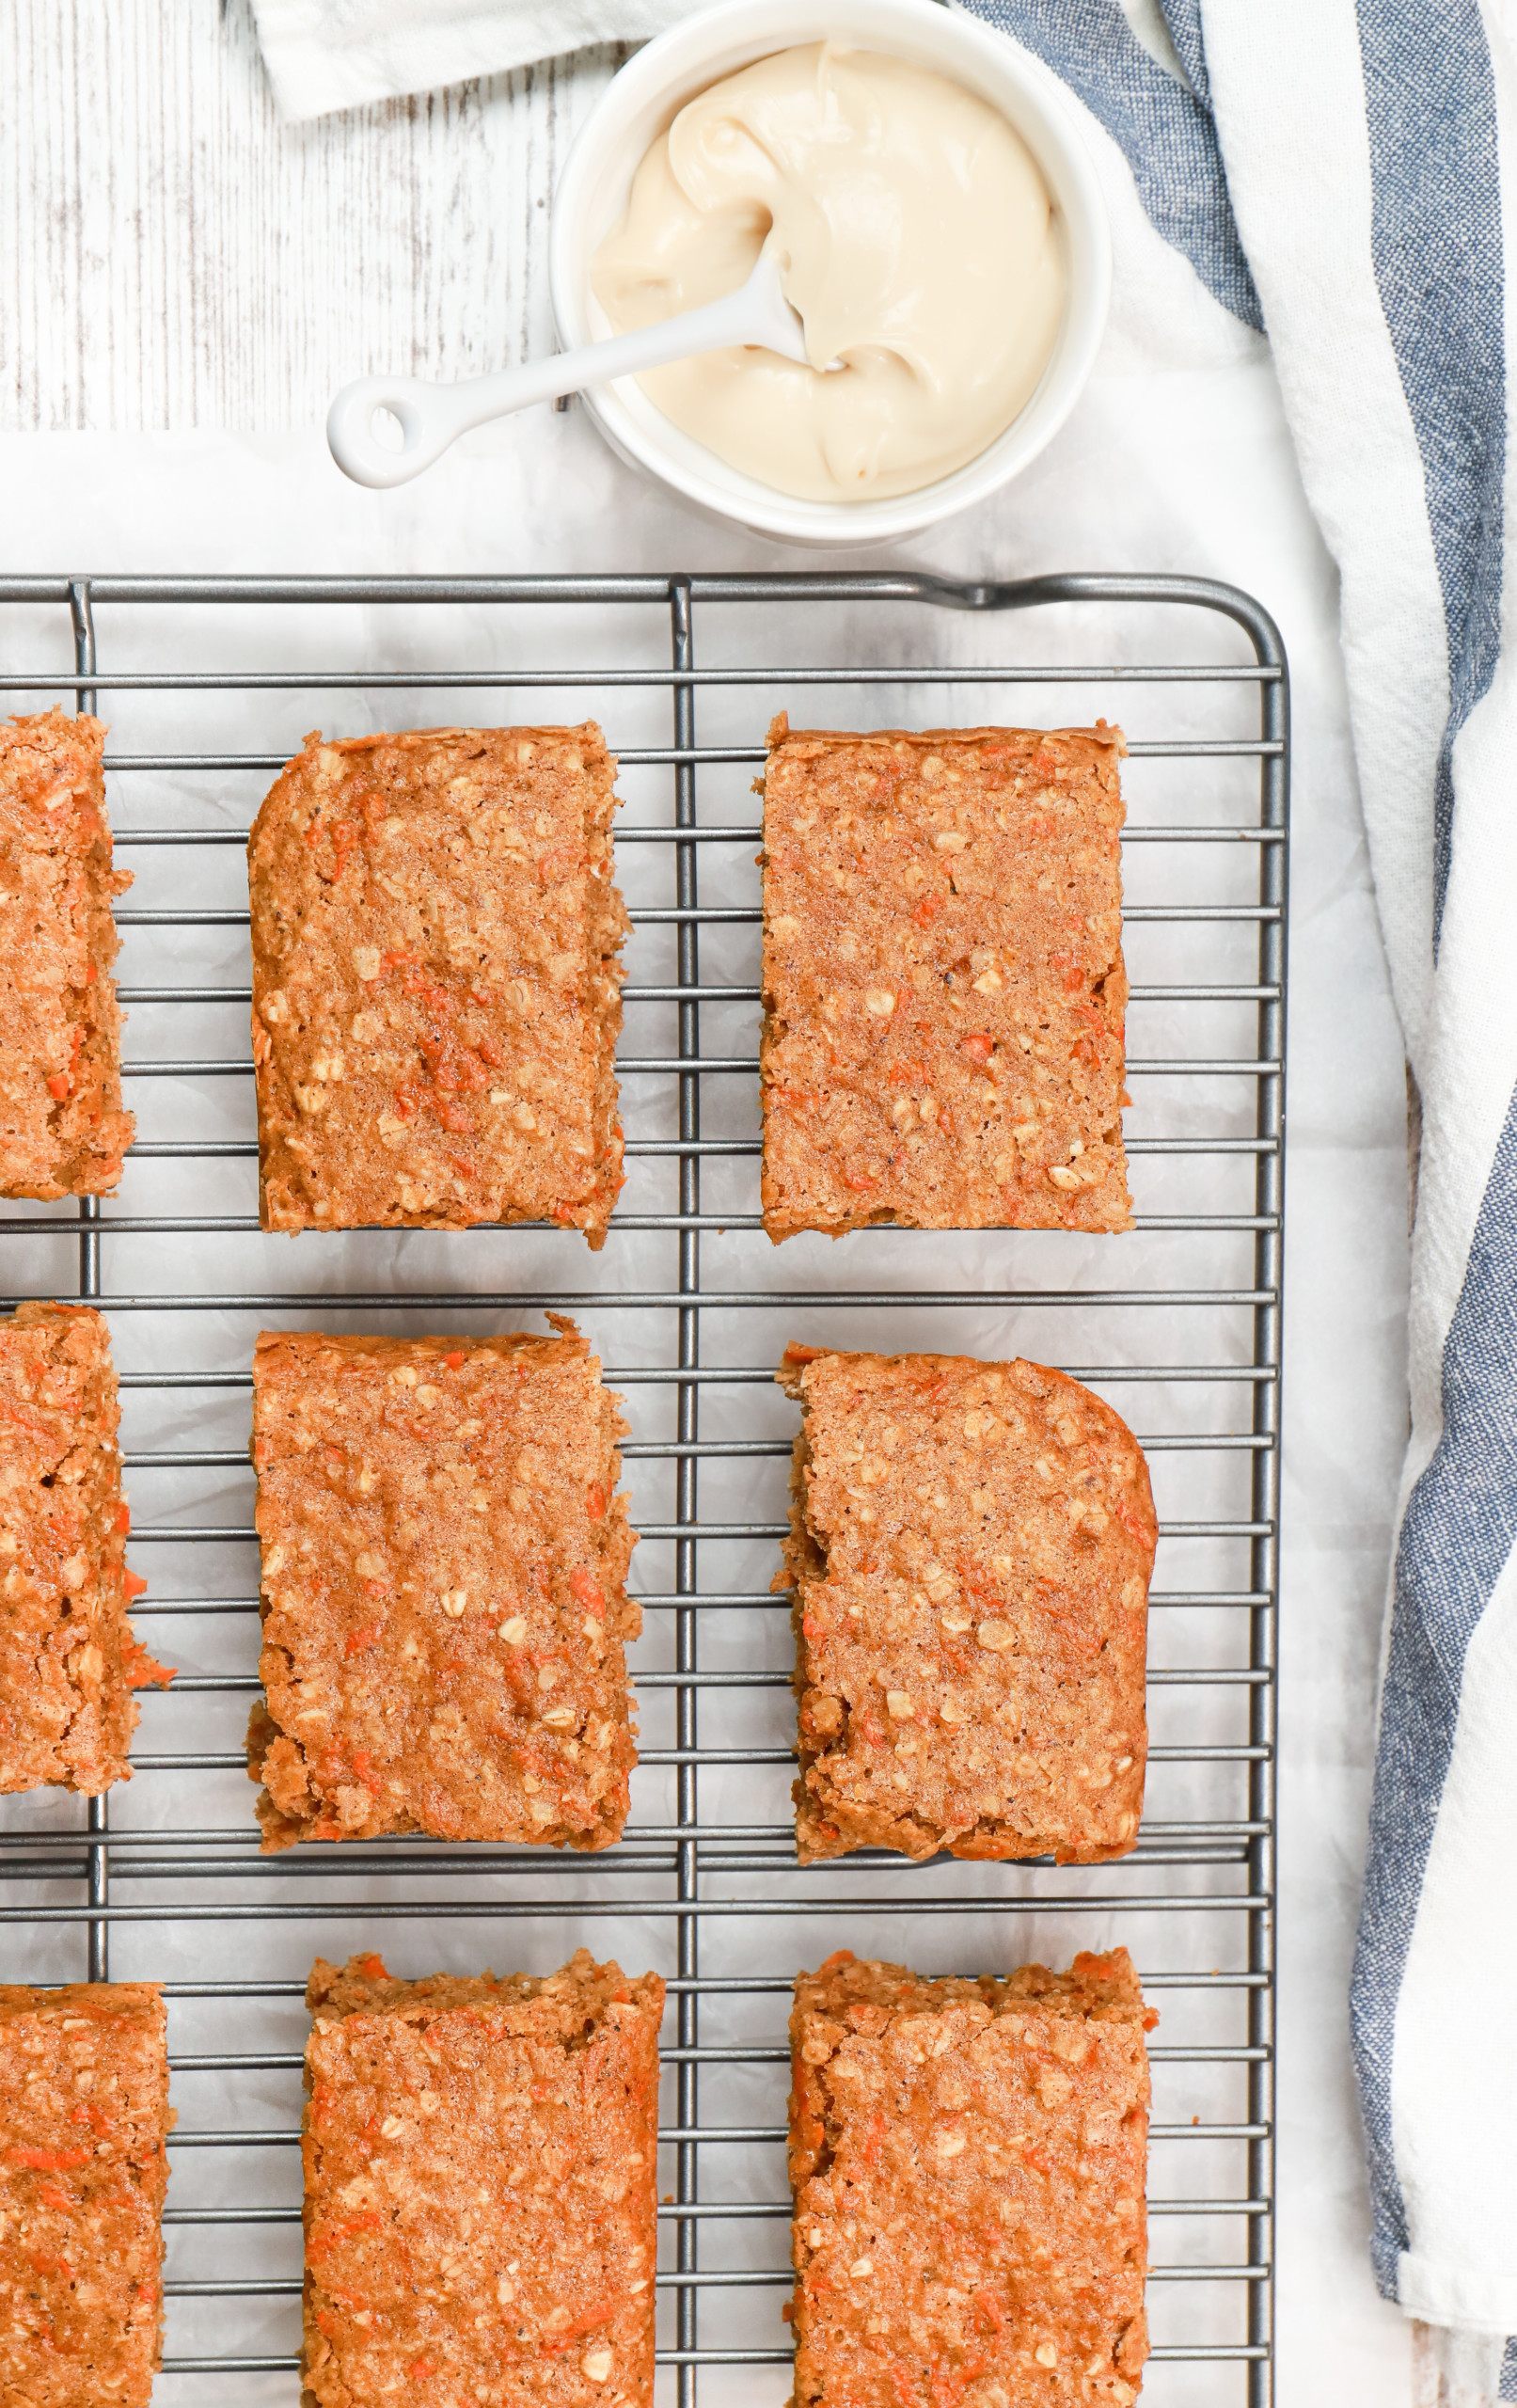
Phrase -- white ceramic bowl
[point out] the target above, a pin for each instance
(640, 101)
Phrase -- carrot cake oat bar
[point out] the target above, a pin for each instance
(436, 981)
(969, 1552)
(944, 996)
(69, 1659)
(967, 2160)
(62, 1128)
(84, 2116)
(445, 1617)
(480, 2164)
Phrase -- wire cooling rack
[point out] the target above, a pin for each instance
(1179, 1323)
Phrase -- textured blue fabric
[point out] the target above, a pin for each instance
(1165, 131)
(1508, 2372)
(1437, 249)
(1461, 1526)
(1429, 98)
(1183, 19)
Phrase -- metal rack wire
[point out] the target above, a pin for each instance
(1179, 1323)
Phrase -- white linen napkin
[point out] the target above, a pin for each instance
(325, 54)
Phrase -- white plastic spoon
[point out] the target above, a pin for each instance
(433, 415)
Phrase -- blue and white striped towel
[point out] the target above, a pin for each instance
(1334, 171)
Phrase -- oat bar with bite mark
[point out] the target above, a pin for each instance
(943, 988)
(968, 2162)
(437, 986)
(68, 1658)
(84, 2116)
(62, 1128)
(444, 1601)
(970, 1551)
(480, 2203)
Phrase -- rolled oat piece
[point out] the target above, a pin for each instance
(444, 1601)
(481, 2201)
(68, 1658)
(943, 988)
(84, 2118)
(967, 2160)
(970, 1551)
(62, 1128)
(437, 986)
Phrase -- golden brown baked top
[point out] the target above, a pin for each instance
(436, 981)
(69, 1658)
(84, 2116)
(944, 994)
(566, 2008)
(445, 1614)
(62, 1128)
(481, 2175)
(968, 2159)
(971, 1549)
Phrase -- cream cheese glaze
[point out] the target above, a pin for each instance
(917, 241)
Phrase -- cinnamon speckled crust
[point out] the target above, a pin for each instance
(445, 1614)
(435, 982)
(971, 1548)
(84, 2116)
(62, 1128)
(69, 1658)
(944, 996)
(481, 2204)
(968, 2159)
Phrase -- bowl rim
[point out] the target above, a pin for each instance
(712, 42)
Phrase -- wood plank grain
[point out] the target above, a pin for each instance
(170, 256)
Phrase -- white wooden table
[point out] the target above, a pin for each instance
(172, 257)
